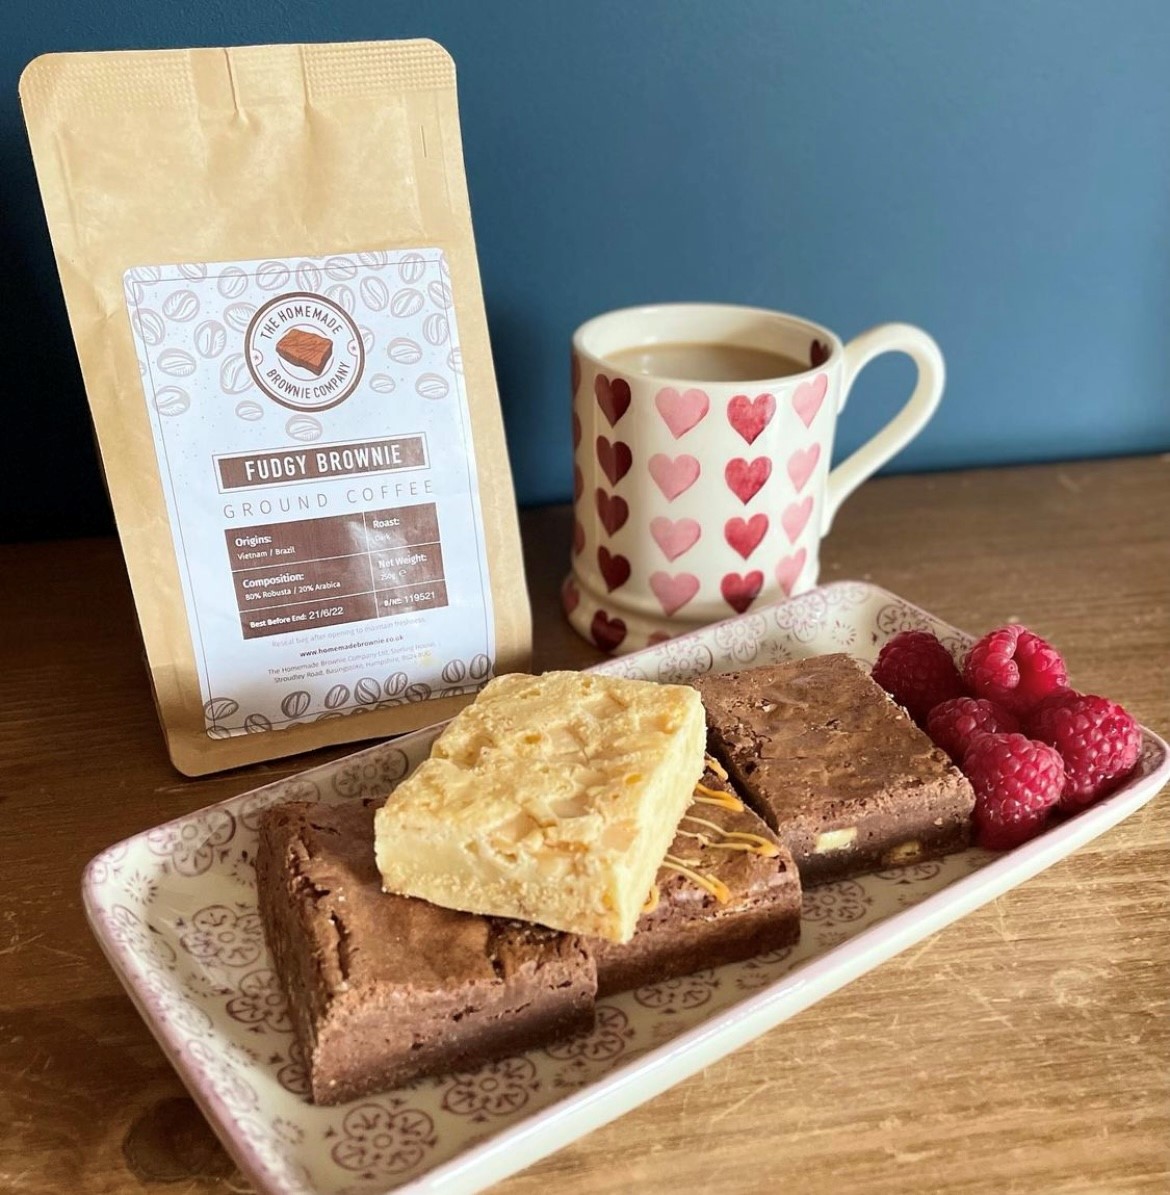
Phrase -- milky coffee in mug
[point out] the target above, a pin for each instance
(702, 438)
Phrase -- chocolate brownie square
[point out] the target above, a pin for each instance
(835, 767)
(384, 989)
(728, 890)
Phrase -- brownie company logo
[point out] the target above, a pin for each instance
(304, 351)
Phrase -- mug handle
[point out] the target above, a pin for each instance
(909, 421)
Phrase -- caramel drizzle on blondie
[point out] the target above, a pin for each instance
(723, 840)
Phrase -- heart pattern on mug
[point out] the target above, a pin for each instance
(789, 569)
(801, 465)
(681, 411)
(612, 510)
(615, 568)
(674, 477)
(607, 632)
(613, 397)
(795, 517)
(744, 535)
(739, 592)
(615, 459)
(673, 592)
(744, 480)
(808, 396)
(789, 503)
(749, 416)
(675, 536)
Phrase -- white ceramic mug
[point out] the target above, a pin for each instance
(696, 500)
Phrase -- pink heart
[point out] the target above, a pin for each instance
(675, 537)
(659, 637)
(795, 517)
(674, 477)
(789, 569)
(801, 464)
(745, 535)
(680, 412)
(673, 592)
(744, 480)
(749, 416)
(808, 396)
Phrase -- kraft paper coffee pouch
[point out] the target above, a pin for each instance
(268, 262)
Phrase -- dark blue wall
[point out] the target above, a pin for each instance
(995, 170)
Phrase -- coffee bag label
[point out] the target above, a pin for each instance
(325, 570)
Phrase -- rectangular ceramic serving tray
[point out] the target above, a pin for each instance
(175, 912)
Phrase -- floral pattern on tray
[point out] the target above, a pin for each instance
(175, 910)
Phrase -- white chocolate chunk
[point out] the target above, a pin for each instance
(834, 840)
(552, 799)
(903, 852)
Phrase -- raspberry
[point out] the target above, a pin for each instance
(917, 672)
(1017, 781)
(953, 725)
(1097, 739)
(1015, 668)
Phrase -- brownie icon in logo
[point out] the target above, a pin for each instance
(304, 351)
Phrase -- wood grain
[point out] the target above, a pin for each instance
(1024, 1049)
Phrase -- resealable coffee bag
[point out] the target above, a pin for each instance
(268, 261)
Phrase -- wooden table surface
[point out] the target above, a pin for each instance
(1025, 1048)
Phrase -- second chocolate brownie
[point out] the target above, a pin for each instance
(835, 767)
(728, 890)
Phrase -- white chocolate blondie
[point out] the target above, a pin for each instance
(552, 799)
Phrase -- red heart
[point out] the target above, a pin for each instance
(659, 637)
(818, 354)
(789, 569)
(739, 592)
(578, 483)
(607, 632)
(615, 459)
(744, 480)
(570, 596)
(749, 416)
(615, 569)
(745, 535)
(612, 510)
(612, 397)
(578, 537)
(574, 372)
(576, 429)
